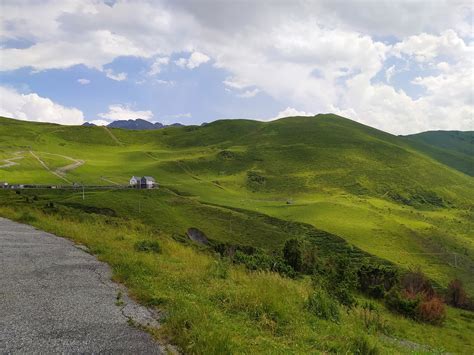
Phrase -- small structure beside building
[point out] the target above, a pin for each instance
(3, 185)
(145, 182)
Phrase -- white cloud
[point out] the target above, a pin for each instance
(33, 107)
(115, 76)
(426, 47)
(124, 112)
(292, 112)
(315, 55)
(158, 65)
(99, 122)
(83, 81)
(249, 93)
(194, 60)
(236, 83)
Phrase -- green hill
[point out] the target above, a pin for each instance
(377, 191)
(453, 148)
(349, 189)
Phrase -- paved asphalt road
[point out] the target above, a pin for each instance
(56, 298)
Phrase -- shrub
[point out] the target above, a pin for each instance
(150, 246)
(292, 254)
(263, 261)
(455, 295)
(340, 280)
(431, 310)
(375, 280)
(323, 306)
(415, 282)
(398, 302)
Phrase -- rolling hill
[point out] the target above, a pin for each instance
(453, 148)
(383, 194)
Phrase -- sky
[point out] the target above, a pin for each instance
(403, 66)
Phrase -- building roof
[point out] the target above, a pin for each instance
(149, 178)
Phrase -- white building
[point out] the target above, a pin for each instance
(147, 182)
(135, 180)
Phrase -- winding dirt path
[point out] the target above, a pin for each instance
(47, 168)
(11, 161)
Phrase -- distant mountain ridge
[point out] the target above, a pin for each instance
(136, 124)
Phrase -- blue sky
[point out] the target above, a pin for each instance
(400, 66)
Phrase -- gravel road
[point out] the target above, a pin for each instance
(57, 298)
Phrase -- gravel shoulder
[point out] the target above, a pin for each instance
(57, 298)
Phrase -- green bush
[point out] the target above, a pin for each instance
(263, 261)
(339, 278)
(323, 306)
(398, 302)
(375, 279)
(149, 246)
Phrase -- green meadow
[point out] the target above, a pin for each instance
(355, 190)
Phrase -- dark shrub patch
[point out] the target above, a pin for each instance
(292, 254)
(150, 246)
(92, 209)
(455, 295)
(399, 303)
(339, 278)
(255, 181)
(415, 282)
(375, 280)
(226, 155)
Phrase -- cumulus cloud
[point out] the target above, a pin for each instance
(83, 81)
(32, 107)
(125, 112)
(194, 60)
(319, 56)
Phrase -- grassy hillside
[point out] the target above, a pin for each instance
(453, 148)
(211, 306)
(351, 189)
(369, 187)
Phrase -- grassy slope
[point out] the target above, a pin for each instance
(341, 176)
(453, 148)
(213, 307)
